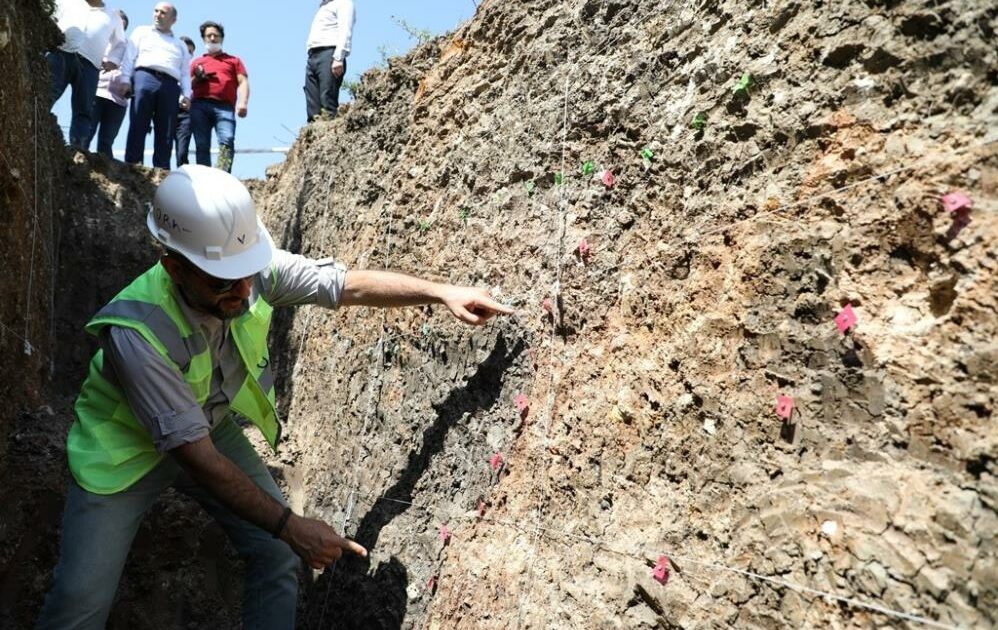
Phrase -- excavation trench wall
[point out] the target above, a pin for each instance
(716, 263)
(716, 267)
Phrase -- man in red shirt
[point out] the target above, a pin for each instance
(221, 92)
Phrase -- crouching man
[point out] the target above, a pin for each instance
(183, 354)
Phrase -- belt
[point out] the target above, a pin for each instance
(216, 101)
(318, 49)
(157, 73)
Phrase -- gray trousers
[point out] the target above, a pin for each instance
(97, 532)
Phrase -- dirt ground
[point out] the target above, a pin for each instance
(771, 163)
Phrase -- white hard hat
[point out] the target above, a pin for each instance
(208, 216)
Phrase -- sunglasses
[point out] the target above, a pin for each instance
(217, 286)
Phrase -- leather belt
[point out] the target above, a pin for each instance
(157, 73)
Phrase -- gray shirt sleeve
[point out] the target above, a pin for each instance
(301, 280)
(160, 398)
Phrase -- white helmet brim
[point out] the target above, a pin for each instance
(208, 216)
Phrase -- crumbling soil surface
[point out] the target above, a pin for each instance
(30, 149)
(649, 359)
(717, 265)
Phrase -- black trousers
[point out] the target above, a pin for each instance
(322, 89)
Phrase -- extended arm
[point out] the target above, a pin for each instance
(389, 289)
(317, 543)
(164, 404)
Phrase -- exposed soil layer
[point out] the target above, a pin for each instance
(650, 358)
(717, 265)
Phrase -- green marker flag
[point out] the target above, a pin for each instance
(558, 179)
(646, 154)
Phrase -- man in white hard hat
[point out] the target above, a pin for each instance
(182, 353)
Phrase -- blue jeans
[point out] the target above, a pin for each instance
(108, 117)
(155, 101)
(70, 69)
(206, 115)
(97, 531)
(183, 140)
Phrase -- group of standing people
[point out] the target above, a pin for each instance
(154, 77)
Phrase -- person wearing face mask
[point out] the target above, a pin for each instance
(221, 92)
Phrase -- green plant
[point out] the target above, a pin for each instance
(646, 154)
(424, 226)
(558, 179)
(385, 52)
(351, 87)
(699, 121)
(464, 212)
(743, 84)
(421, 35)
(588, 168)
(530, 187)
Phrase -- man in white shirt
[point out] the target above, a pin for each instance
(90, 29)
(158, 66)
(109, 106)
(328, 47)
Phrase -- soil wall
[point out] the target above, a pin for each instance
(771, 164)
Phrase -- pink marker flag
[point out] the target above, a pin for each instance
(522, 402)
(661, 570)
(444, 534)
(607, 178)
(548, 305)
(846, 318)
(481, 508)
(584, 249)
(431, 584)
(496, 461)
(956, 201)
(784, 406)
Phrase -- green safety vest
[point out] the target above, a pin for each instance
(108, 448)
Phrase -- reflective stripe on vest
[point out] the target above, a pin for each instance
(180, 349)
(108, 448)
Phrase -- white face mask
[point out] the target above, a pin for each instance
(212, 48)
